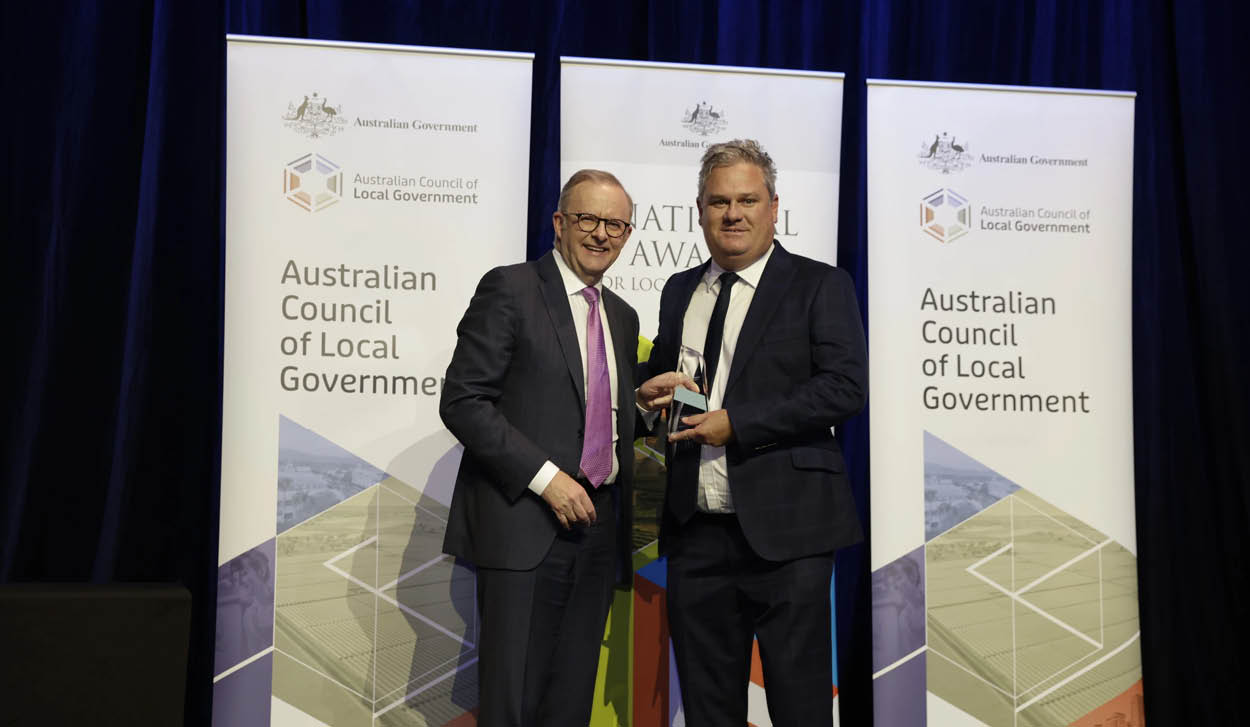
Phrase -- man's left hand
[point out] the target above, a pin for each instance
(712, 428)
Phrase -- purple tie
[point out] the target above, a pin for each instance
(597, 446)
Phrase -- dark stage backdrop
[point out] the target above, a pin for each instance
(112, 226)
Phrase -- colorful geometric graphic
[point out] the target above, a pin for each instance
(898, 617)
(244, 606)
(654, 703)
(1126, 710)
(956, 486)
(242, 698)
(1030, 614)
(315, 473)
(373, 624)
(353, 617)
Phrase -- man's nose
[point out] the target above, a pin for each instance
(600, 232)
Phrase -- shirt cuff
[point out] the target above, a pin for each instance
(648, 417)
(545, 475)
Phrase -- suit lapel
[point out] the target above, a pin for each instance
(556, 298)
(767, 297)
(621, 347)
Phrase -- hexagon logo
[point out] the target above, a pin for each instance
(313, 182)
(945, 215)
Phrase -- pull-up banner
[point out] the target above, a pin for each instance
(1003, 540)
(649, 124)
(366, 193)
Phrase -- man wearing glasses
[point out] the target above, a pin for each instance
(540, 392)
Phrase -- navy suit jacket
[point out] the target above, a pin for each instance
(799, 368)
(515, 397)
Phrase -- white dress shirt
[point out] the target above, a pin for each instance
(580, 308)
(714, 494)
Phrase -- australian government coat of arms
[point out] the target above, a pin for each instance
(314, 116)
(704, 119)
(944, 154)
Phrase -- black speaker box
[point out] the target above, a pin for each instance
(77, 654)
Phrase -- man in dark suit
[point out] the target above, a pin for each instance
(540, 392)
(757, 498)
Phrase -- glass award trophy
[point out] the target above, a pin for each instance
(687, 402)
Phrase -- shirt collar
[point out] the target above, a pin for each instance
(750, 274)
(573, 285)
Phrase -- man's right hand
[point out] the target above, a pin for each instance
(569, 501)
(657, 392)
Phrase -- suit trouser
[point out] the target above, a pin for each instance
(542, 628)
(721, 595)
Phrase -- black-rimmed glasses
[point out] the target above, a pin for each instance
(587, 222)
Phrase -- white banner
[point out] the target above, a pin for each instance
(366, 194)
(649, 124)
(1003, 538)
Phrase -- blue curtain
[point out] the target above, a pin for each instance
(113, 232)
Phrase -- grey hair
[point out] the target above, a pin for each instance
(589, 175)
(728, 153)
